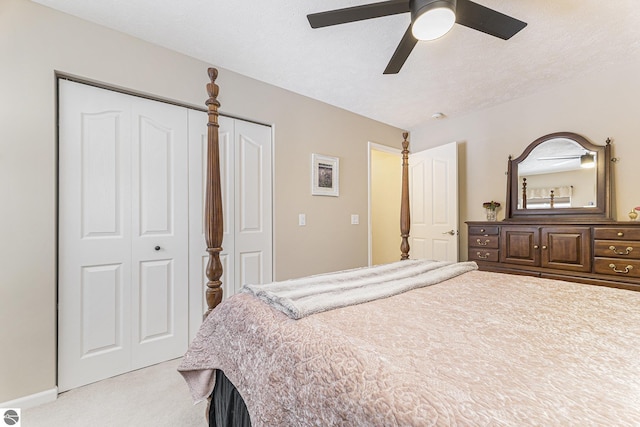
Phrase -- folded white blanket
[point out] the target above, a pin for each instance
(298, 298)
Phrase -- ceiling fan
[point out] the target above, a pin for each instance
(430, 19)
(587, 159)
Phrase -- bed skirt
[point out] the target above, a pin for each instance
(227, 408)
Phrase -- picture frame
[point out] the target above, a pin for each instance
(325, 175)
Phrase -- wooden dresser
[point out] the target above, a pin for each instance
(604, 253)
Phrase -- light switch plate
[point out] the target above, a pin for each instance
(355, 219)
(302, 219)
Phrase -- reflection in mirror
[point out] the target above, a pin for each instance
(551, 180)
(558, 173)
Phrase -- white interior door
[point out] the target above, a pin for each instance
(122, 192)
(245, 175)
(433, 181)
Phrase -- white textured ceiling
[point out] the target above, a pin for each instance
(271, 41)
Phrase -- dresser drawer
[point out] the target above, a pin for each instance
(484, 241)
(480, 254)
(617, 267)
(617, 233)
(617, 249)
(483, 231)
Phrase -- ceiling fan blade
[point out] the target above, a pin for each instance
(402, 52)
(358, 13)
(487, 20)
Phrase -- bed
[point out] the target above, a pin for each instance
(464, 348)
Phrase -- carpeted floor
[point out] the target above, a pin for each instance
(154, 396)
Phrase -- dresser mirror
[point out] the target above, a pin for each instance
(560, 176)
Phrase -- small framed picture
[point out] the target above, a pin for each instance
(325, 175)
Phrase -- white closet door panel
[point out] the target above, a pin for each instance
(101, 195)
(94, 251)
(101, 292)
(155, 177)
(160, 232)
(253, 207)
(156, 294)
(251, 267)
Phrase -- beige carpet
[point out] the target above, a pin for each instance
(154, 396)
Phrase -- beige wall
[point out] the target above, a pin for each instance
(386, 183)
(604, 103)
(34, 43)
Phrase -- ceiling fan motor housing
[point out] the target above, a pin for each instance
(418, 7)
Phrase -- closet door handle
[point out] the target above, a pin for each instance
(451, 232)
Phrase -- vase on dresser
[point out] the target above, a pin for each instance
(491, 214)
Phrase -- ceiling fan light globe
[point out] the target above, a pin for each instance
(587, 161)
(433, 24)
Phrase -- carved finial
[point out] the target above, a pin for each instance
(405, 143)
(213, 88)
(213, 74)
(608, 141)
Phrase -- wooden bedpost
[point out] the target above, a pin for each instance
(213, 228)
(405, 217)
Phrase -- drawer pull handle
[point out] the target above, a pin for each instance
(627, 251)
(544, 246)
(620, 234)
(482, 230)
(485, 256)
(485, 243)
(625, 271)
(536, 247)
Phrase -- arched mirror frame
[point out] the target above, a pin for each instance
(600, 212)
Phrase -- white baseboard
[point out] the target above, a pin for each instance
(32, 400)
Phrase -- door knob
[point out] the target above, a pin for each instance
(157, 248)
(451, 232)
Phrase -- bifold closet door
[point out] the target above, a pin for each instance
(246, 181)
(123, 233)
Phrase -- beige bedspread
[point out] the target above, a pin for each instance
(481, 349)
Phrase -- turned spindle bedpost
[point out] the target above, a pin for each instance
(405, 219)
(213, 224)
